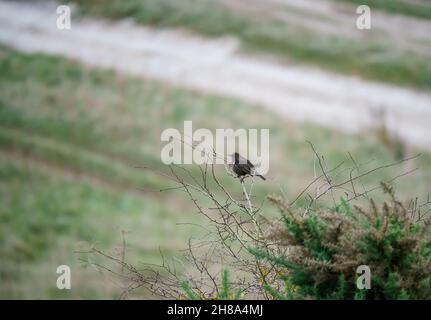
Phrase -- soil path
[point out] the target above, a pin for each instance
(299, 93)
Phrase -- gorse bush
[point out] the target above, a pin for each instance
(380, 251)
(316, 255)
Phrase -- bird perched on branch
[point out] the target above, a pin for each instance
(242, 167)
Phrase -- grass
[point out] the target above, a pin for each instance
(45, 217)
(418, 9)
(290, 42)
(70, 141)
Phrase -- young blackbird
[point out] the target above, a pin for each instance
(242, 167)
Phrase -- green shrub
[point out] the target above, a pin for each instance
(317, 255)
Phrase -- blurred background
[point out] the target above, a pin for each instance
(81, 109)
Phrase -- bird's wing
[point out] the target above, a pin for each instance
(250, 164)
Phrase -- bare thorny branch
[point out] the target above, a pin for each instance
(235, 224)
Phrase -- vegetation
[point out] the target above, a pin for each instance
(322, 251)
(419, 9)
(316, 256)
(369, 57)
(311, 253)
(226, 292)
(70, 141)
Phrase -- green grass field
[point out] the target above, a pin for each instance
(70, 140)
(419, 9)
(369, 56)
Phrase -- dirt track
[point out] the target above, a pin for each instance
(214, 66)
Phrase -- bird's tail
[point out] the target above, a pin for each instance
(261, 176)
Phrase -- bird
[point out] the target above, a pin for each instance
(242, 167)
